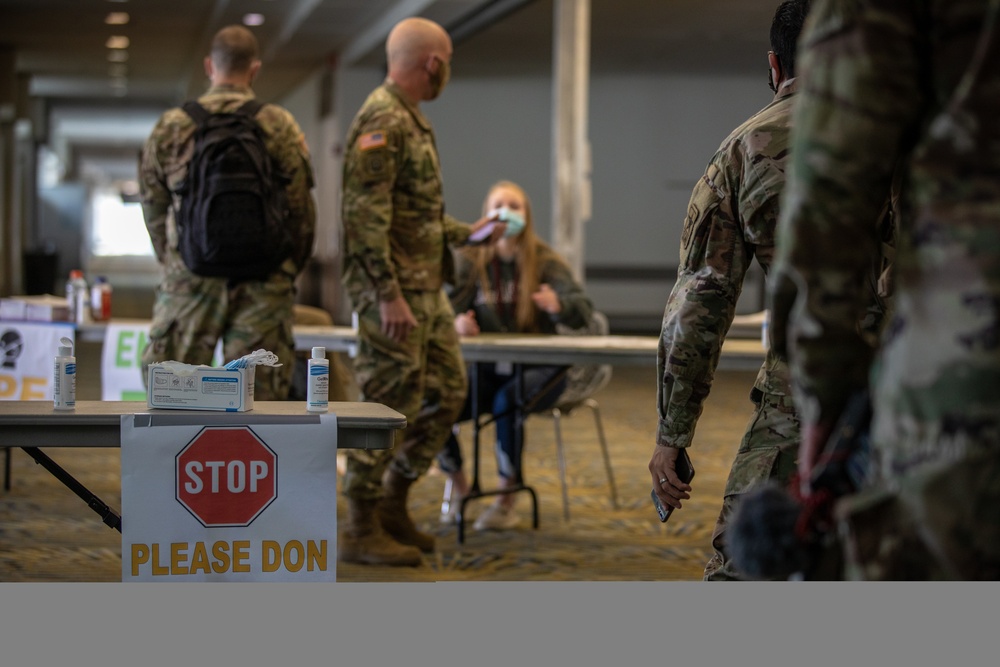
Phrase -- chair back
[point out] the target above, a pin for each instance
(585, 380)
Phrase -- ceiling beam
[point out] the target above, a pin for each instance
(482, 16)
(374, 35)
(296, 16)
(198, 49)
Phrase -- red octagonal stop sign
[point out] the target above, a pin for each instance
(226, 476)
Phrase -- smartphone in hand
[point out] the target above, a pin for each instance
(685, 471)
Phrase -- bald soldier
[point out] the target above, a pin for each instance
(192, 312)
(396, 261)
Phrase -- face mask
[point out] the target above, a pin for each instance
(440, 79)
(514, 220)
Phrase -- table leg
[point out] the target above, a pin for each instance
(519, 411)
(110, 517)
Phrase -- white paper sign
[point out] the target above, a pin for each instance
(121, 361)
(229, 497)
(27, 354)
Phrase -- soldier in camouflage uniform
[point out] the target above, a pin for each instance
(396, 261)
(913, 84)
(192, 312)
(731, 219)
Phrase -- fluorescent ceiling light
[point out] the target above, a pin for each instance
(117, 42)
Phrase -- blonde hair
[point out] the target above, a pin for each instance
(526, 259)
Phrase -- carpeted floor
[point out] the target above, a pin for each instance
(49, 534)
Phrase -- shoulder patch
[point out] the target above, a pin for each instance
(371, 140)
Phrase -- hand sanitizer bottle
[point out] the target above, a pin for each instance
(64, 377)
(318, 387)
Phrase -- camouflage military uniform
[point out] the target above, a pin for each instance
(731, 219)
(901, 83)
(192, 312)
(396, 238)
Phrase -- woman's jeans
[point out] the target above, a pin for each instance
(496, 396)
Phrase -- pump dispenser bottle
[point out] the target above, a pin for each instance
(318, 387)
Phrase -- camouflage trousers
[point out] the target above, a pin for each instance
(422, 377)
(940, 521)
(192, 313)
(768, 451)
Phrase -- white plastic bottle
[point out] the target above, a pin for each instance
(71, 287)
(78, 298)
(318, 386)
(64, 377)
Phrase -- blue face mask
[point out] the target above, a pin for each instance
(514, 220)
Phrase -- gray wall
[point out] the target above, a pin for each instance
(651, 137)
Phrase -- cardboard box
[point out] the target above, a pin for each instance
(46, 308)
(37, 308)
(13, 308)
(199, 388)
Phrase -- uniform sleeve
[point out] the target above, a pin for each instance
(297, 165)
(462, 293)
(702, 303)
(576, 305)
(854, 113)
(154, 193)
(370, 169)
(456, 232)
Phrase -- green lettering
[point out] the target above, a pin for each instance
(122, 348)
(127, 354)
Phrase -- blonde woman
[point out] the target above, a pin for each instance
(520, 285)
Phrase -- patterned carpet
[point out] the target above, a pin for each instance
(47, 533)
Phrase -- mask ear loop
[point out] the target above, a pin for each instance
(770, 77)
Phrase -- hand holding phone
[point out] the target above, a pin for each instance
(685, 471)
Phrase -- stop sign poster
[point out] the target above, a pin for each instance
(226, 497)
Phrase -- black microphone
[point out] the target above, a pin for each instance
(761, 537)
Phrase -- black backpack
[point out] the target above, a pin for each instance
(231, 219)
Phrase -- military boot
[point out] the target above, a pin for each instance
(395, 518)
(364, 541)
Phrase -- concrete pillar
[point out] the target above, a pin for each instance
(571, 192)
(10, 257)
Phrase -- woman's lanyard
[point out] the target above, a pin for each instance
(506, 308)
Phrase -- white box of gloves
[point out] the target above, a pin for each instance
(172, 384)
(186, 387)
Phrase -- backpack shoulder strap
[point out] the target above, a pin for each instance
(198, 113)
(251, 107)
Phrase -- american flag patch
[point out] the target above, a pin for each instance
(371, 140)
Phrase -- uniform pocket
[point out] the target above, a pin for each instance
(751, 468)
(705, 198)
